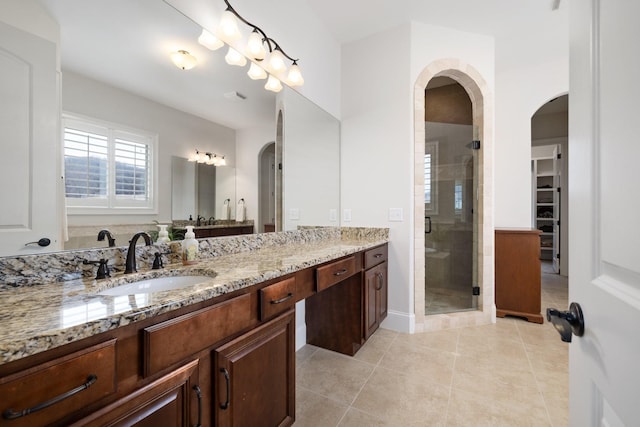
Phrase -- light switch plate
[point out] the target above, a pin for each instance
(294, 213)
(346, 215)
(333, 214)
(395, 214)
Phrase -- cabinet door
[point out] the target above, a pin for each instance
(255, 376)
(375, 295)
(173, 400)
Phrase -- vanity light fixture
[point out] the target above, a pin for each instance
(276, 60)
(183, 59)
(256, 72)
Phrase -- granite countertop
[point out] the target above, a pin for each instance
(38, 318)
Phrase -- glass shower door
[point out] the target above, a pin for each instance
(451, 176)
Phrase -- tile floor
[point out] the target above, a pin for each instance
(513, 373)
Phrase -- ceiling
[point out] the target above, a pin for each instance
(125, 43)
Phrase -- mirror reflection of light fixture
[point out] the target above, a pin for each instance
(183, 59)
(233, 57)
(210, 41)
(256, 72)
(273, 84)
(208, 158)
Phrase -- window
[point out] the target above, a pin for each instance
(430, 186)
(108, 169)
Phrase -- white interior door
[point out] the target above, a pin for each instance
(29, 131)
(604, 201)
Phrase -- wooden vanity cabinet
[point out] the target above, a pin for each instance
(232, 230)
(375, 289)
(254, 376)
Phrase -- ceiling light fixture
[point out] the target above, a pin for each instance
(184, 59)
(229, 32)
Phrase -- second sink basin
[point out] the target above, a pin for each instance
(155, 285)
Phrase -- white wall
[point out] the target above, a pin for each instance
(532, 67)
(179, 134)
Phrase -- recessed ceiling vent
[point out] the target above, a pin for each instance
(235, 96)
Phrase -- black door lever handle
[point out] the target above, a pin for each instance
(567, 322)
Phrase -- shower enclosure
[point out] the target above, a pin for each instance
(451, 226)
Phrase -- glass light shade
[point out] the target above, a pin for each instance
(194, 158)
(210, 41)
(255, 48)
(184, 59)
(273, 84)
(201, 157)
(222, 162)
(276, 62)
(256, 72)
(228, 27)
(233, 57)
(294, 78)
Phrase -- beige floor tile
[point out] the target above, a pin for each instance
(403, 398)
(438, 340)
(333, 375)
(376, 346)
(356, 418)
(314, 410)
(435, 366)
(305, 352)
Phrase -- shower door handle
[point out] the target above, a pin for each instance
(428, 230)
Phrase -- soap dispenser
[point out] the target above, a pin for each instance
(163, 234)
(189, 247)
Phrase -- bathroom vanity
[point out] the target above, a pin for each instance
(219, 353)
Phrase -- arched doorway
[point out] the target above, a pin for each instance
(481, 258)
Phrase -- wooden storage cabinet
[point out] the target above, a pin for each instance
(375, 297)
(517, 263)
(49, 392)
(172, 401)
(254, 376)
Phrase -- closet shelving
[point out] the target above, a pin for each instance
(546, 201)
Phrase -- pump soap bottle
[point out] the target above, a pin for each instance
(163, 234)
(189, 247)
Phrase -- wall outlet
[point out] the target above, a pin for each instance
(395, 214)
(333, 214)
(346, 215)
(294, 213)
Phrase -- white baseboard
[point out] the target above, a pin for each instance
(400, 322)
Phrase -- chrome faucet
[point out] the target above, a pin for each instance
(130, 264)
(104, 232)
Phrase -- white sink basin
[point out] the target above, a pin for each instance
(158, 284)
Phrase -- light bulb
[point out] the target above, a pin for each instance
(294, 78)
(228, 28)
(201, 158)
(183, 59)
(256, 72)
(273, 84)
(210, 41)
(222, 162)
(276, 62)
(255, 48)
(194, 158)
(233, 57)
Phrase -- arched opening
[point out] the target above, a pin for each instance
(471, 196)
(267, 189)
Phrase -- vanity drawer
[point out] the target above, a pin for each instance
(172, 341)
(277, 298)
(375, 256)
(60, 387)
(330, 274)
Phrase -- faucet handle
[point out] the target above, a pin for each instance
(103, 267)
(157, 261)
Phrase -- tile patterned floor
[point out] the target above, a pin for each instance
(513, 373)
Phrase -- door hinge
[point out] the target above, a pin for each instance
(558, 189)
(559, 155)
(475, 144)
(476, 290)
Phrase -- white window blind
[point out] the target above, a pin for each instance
(107, 168)
(430, 172)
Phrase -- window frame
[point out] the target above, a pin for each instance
(431, 148)
(112, 204)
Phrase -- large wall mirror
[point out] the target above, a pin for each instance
(116, 67)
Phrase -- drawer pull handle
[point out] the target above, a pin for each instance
(10, 414)
(341, 272)
(281, 300)
(199, 395)
(380, 281)
(225, 405)
(377, 256)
